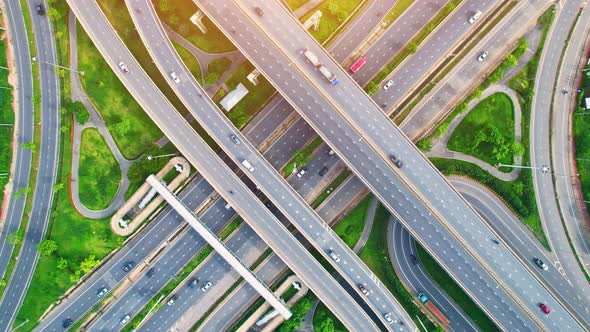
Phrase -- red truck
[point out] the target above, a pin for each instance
(439, 315)
(358, 64)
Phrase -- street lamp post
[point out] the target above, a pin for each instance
(161, 156)
(58, 66)
(543, 168)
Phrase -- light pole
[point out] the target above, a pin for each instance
(7, 124)
(58, 66)
(4, 67)
(543, 168)
(5, 88)
(161, 156)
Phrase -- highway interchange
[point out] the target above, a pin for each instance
(283, 68)
(275, 156)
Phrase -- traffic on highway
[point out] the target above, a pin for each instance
(321, 174)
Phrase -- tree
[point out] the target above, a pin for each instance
(62, 263)
(212, 77)
(28, 145)
(22, 191)
(518, 149)
(327, 325)
(15, 237)
(46, 247)
(372, 88)
(511, 60)
(164, 5)
(336, 10)
(2, 283)
(53, 14)
(58, 187)
(88, 263)
(425, 145)
(412, 47)
(174, 19)
(123, 127)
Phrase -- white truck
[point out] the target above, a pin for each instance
(247, 164)
(311, 57)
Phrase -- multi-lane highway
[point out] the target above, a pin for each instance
(549, 99)
(226, 183)
(345, 109)
(284, 197)
(24, 127)
(46, 171)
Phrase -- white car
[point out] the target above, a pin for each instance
(101, 292)
(124, 320)
(302, 172)
(475, 17)
(123, 67)
(388, 85)
(174, 77)
(335, 257)
(482, 56)
(206, 286)
(388, 318)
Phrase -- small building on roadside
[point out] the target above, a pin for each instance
(234, 97)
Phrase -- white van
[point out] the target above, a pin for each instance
(247, 164)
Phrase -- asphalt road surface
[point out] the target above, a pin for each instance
(47, 169)
(214, 170)
(283, 196)
(381, 133)
(546, 93)
(24, 126)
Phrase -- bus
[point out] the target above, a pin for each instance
(358, 64)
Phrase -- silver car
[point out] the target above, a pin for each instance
(482, 56)
(174, 77)
(388, 85)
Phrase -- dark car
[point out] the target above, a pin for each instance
(193, 283)
(396, 161)
(67, 323)
(258, 11)
(150, 273)
(323, 171)
(40, 9)
(541, 264)
(128, 266)
(363, 289)
(413, 259)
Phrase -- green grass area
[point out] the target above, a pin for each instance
(334, 13)
(142, 168)
(350, 228)
(450, 287)
(99, 174)
(487, 132)
(396, 11)
(216, 68)
(77, 239)
(116, 106)
(294, 4)
(176, 14)
(6, 119)
(411, 47)
(253, 102)
(302, 157)
(375, 254)
(330, 189)
(581, 126)
(517, 194)
(190, 61)
(323, 316)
